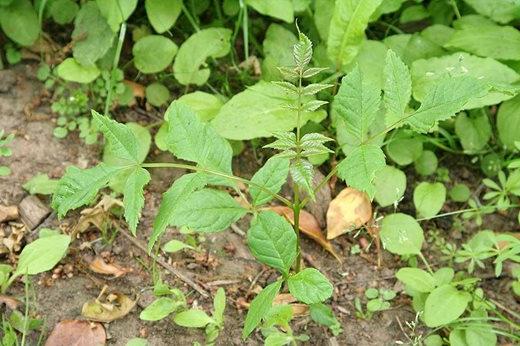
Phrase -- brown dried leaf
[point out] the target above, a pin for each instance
(138, 90)
(8, 213)
(288, 299)
(350, 210)
(99, 216)
(308, 225)
(11, 302)
(119, 306)
(98, 265)
(77, 333)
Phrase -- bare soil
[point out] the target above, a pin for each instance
(225, 261)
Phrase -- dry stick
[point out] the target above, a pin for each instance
(166, 266)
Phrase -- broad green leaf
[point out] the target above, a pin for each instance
(153, 53)
(19, 22)
(324, 315)
(176, 194)
(458, 337)
(92, 35)
(413, 13)
(429, 198)
(447, 96)
(116, 11)
(390, 184)
(159, 309)
(404, 148)
(162, 14)
(487, 40)
(280, 9)
(508, 123)
(397, 88)
(63, 11)
(444, 305)
(40, 184)
(72, 71)
(208, 210)
(191, 139)
(502, 11)
(480, 334)
(277, 46)
(323, 11)
(192, 318)
(175, 245)
(205, 105)
(260, 306)
(78, 187)
(443, 276)
(271, 176)
(357, 102)
(121, 139)
(157, 94)
(260, 111)
(387, 6)
(42, 254)
(347, 29)
(474, 131)
(401, 234)
(371, 62)
(213, 42)
(426, 74)
(272, 241)
(416, 279)
(460, 193)
(360, 167)
(310, 286)
(427, 163)
(133, 199)
(438, 34)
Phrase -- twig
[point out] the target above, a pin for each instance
(222, 282)
(237, 230)
(165, 265)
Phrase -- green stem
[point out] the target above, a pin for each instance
(219, 174)
(26, 318)
(245, 29)
(421, 256)
(296, 190)
(115, 63)
(190, 18)
(455, 8)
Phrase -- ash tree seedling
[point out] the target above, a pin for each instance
(195, 201)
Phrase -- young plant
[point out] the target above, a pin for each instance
(378, 300)
(5, 151)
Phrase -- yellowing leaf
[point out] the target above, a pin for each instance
(350, 210)
(117, 306)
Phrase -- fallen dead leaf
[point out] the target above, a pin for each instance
(297, 308)
(11, 237)
(99, 216)
(11, 302)
(308, 225)
(8, 213)
(98, 265)
(77, 333)
(138, 90)
(114, 306)
(350, 210)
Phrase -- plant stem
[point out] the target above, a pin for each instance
(245, 29)
(421, 256)
(26, 318)
(296, 189)
(115, 63)
(453, 4)
(190, 18)
(219, 174)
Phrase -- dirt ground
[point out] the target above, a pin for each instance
(225, 261)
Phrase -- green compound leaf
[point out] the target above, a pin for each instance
(272, 241)
(19, 21)
(180, 190)
(429, 198)
(72, 71)
(271, 176)
(397, 88)
(310, 286)
(401, 234)
(416, 279)
(213, 42)
(78, 187)
(444, 305)
(360, 167)
(92, 35)
(133, 198)
(191, 139)
(162, 14)
(347, 29)
(302, 173)
(448, 96)
(153, 53)
(159, 309)
(42, 254)
(259, 307)
(260, 111)
(357, 102)
(208, 210)
(122, 140)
